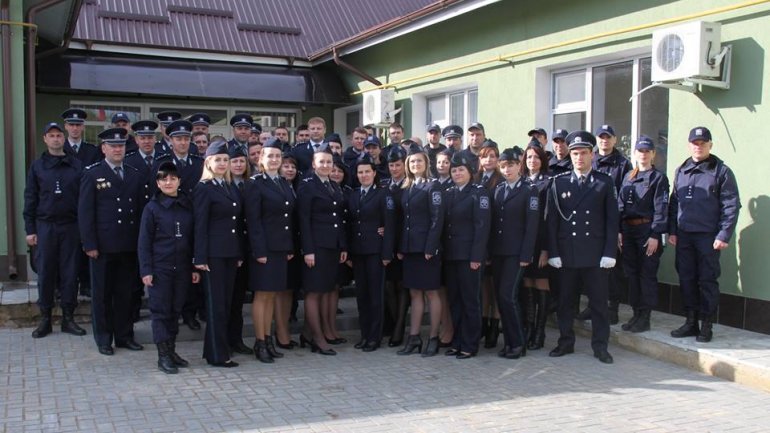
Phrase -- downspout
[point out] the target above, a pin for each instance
(341, 63)
(10, 207)
(67, 36)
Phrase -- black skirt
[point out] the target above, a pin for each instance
(271, 276)
(322, 277)
(421, 274)
(534, 272)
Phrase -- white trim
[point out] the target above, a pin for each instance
(187, 55)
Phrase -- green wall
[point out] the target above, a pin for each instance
(507, 91)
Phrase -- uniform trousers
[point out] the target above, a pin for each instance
(58, 259)
(507, 277)
(194, 301)
(235, 324)
(594, 282)
(113, 279)
(166, 300)
(464, 294)
(370, 282)
(641, 269)
(218, 285)
(697, 263)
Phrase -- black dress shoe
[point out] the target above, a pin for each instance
(584, 315)
(192, 323)
(106, 350)
(465, 355)
(241, 348)
(371, 346)
(501, 353)
(360, 345)
(395, 343)
(130, 345)
(317, 349)
(291, 345)
(604, 356)
(515, 352)
(452, 352)
(227, 364)
(561, 351)
(336, 341)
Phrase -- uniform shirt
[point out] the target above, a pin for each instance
(423, 218)
(582, 220)
(646, 196)
(87, 153)
(303, 154)
(466, 223)
(109, 208)
(515, 220)
(138, 160)
(189, 175)
(615, 165)
(321, 215)
(704, 199)
(559, 166)
(366, 215)
(166, 234)
(162, 147)
(269, 208)
(218, 221)
(51, 192)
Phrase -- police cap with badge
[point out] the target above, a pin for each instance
(372, 141)
(699, 133)
(120, 117)
(534, 131)
(433, 127)
(397, 154)
(217, 147)
(560, 134)
(242, 119)
(460, 160)
(511, 154)
(144, 127)
(75, 116)
(114, 136)
(200, 119)
(644, 143)
(49, 126)
(581, 140)
(166, 117)
(452, 131)
(179, 128)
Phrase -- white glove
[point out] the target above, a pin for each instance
(607, 263)
(555, 262)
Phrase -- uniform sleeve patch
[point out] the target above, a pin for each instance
(436, 198)
(389, 203)
(484, 202)
(534, 203)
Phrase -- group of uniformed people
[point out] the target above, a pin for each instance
(480, 238)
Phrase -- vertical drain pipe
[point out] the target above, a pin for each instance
(10, 207)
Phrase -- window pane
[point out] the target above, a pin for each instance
(569, 87)
(570, 121)
(436, 109)
(653, 114)
(103, 113)
(473, 106)
(352, 120)
(612, 88)
(457, 109)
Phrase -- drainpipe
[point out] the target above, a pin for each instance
(10, 207)
(76, 5)
(341, 63)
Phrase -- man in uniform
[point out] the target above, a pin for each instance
(144, 157)
(108, 218)
(200, 123)
(703, 212)
(281, 133)
(241, 124)
(303, 152)
(582, 243)
(121, 120)
(560, 161)
(373, 149)
(74, 124)
(540, 135)
(356, 150)
(165, 118)
(476, 138)
(434, 146)
(50, 220)
(189, 168)
(453, 137)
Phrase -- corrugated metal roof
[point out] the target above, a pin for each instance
(206, 25)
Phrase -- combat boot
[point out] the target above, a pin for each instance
(642, 322)
(165, 363)
(44, 327)
(690, 327)
(68, 324)
(705, 334)
(178, 360)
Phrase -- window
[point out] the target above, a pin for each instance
(453, 108)
(601, 94)
(100, 117)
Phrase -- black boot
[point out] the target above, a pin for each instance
(484, 327)
(432, 348)
(584, 315)
(178, 360)
(628, 325)
(537, 341)
(705, 334)
(261, 353)
(44, 327)
(612, 306)
(165, 363)
(493, 333)
(68, 324)
(642, 322)
(690, 327)
(414, 342)
(271, 347)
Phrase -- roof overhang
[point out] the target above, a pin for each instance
(76, 72)
(426, 17)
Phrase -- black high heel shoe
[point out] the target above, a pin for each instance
(316, 349)
(290, 346)
(304, 342)
(414, 343)
(336, 341)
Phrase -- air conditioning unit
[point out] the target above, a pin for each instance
(689, 50)
(379, 106)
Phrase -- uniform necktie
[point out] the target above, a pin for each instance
(75, 148)
(148, 160)
(485, 179)
(363, 193)
(181, 163)
(329, 187)
(582, 180)
(119, 171)
(240, 186)
(508, 190)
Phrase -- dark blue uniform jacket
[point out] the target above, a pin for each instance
(166, 234)
(466, 223)
(51, 194)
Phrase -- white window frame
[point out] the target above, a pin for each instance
(420, 107)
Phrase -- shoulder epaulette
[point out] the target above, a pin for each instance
(132, 153)
(92, 165)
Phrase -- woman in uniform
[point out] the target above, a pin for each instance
(443, 162)
(515, 219)
(239, 173)
(423, 221)
(320, 206)
(371, 218)
(466, 232)
(287, 301)
(218, 248)
(643, 203)
(535, 289)
(489, 177)
(396, 296)
(165, 257)
(269, 208)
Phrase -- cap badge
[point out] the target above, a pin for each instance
(699, 131)
(117, 136)
(605, 126)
